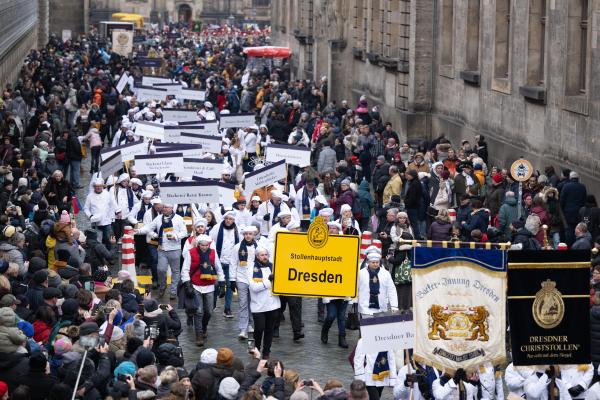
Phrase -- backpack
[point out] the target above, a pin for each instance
(356, 208)
(402, 273)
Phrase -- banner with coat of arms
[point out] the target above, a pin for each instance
(459, 298)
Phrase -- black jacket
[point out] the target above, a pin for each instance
(73, 149)
(39, 382)
(168, 325)
(595, 333)
(526, 238)
(12, 366)
(412, 198)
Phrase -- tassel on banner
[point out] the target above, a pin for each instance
(128, 253)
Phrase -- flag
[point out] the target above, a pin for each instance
(459, 298)
(548, 304)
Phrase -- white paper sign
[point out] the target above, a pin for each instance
(210, 144)
(226, 194)
(122, 81)
(112, 164)
(393, 332)
(159, 163)
(188, 150)
(206, 168)
(189, 192)
(122, 42)
(179, 114)
(265, 176)
(147, 94)
(203, 127)
(173, 89)
(150, 129)
(151, 80)
(295, 155)
(129, 151)
(191, 94)
(237, 120)
(66, 35)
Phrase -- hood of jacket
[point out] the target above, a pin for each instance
(364, 185)
(7, 247)
(7, 317)
(511, 201)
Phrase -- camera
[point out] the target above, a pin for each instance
(122, 377)
(250, 345)
(153, 331)
(163, 306)
(308, 383)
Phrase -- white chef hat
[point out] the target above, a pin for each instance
(122, 177)
(203, 239)
(326, 212)
(284, 213)
(136, 181)
(335, 224)
(321, 200)
(201, 222)
(276, 193)
(98, 182)
(147, 193)
(156, 200)
(255, 198)
(248, 229)
(229, 213)
(292, 225)
(345, 207)
(373, 257)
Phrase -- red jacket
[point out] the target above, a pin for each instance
(41, 331)
(195, 270)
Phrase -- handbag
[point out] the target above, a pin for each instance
(352, 321)
(402, 273)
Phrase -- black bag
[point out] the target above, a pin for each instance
(352, 322)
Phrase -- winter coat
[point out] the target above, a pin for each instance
(595, 333)
(345, 197)
(440, 230)
(41, 331)
(12, 254)
(12, 366)
(526, 239)
(11, 337)
(167, 324)
(494, 198)
(392, 187)
(544, 220)
(35, 296)
(39, 382)
(412, 197)
(60, 189)
(208, 379)
(327, 160)
(366, 199)
(572, 198)
(583, 242)
(381, 177)
(97, 254)
(507, 214)
(478, 219)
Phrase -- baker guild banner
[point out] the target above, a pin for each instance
(459, 306)
(548, 304)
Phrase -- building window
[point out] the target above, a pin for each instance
(502, 45)
(261, 3)
(359, 27)
(377, 26)
(447, 32)
(472, 55)
(576, 82)
(537, 42)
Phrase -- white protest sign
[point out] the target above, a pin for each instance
(122, 42)
(226, 194)
(149, 129)
(150, 93)
(188, 150)
(191, 94)
(265, 176)
(159, 163)
(130, 150)
(210, 144)
(172, 133)
(122, 81)
(206, 168)
(179, 114)
(237, 120)
(111, 164)
(66, 35)
(392, 332)
(203, 127)
(189, 192)
(295, 155)
(173, 89)
(151, 80)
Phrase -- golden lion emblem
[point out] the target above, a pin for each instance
(478, 327)
(438, 322)
(458, 321)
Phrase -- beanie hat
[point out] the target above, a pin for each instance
(26, 328)
(8, 231)
(69, 307)
(37, 362)
(144, 357)
(225, 356)
(87, 328)
(497, 178)
(3, 388)
(64, 217)
(36, 264)
(40, 276)
(3, 266)
(62, 346)
(517, 224)
(229, 388)
(209, 356)
(117, 334)
(125, 368)
(445, 174)
(150, 305)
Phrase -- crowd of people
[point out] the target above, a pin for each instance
(70, 323)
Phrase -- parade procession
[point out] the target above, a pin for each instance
(169, 191)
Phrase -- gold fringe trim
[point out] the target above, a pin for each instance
(380, 376)
(438, 366)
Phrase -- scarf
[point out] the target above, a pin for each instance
(243, 252)
(373, 288)
(220, 236)
(306, 203)
(143, 208)
(186, 215)
(207, 269)
(381, 368)
(257, 275)
(276, 210)
(166, 226)
(129, 196)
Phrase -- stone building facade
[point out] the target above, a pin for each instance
(520, 72)
(214, 11)
(23, 26)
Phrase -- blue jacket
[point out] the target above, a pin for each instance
(572, 198)
(477, 220)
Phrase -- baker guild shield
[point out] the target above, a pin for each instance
(548, 308)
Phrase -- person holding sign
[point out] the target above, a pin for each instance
(376, 290)
(201, 270)
(168, 228)
(263, 305)
(415, 380)
(100, 208)
(377, 370)
(268, 212)
(459, 386)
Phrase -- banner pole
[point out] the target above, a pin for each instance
(552, 384)
(409, 372)
(456, 244)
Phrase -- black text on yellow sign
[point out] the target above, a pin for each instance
(300, 269)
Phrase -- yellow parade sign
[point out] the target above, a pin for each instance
(315, 264)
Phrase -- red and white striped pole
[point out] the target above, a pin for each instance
(128, 253)
(452, 215)
(365, 241)
(377, 243)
